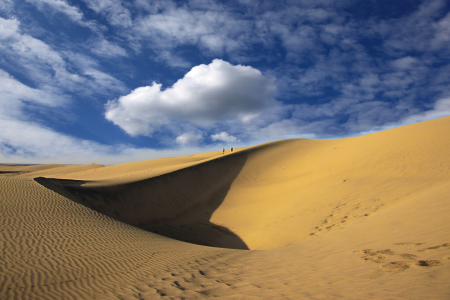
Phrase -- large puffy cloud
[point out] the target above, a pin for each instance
(23, 140)
(206, 95)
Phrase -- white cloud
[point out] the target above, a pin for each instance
(212, 42)
(355, 74)
(214, 31)
(73, 13)
(6, 5)
(440, 109)
(49, 69)
(60, 6)
(172, 60)
(420, 31)
(224, 137)
(105, 48)
(442, 36)
(101, 82)
(23, 140)
(405, 63)
(113, 10)
(189, 138)
(8, 28)
(18, 101)
(14, 94)
(154, 6)
(38, 59)
(206, 95)
(30, 139)
(30, 142)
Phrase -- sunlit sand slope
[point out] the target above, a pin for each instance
(356, 218)
(303, 188)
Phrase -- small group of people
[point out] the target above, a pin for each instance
(223, 150)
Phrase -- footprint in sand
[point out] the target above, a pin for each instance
(408, 244)
(408, 260)
(428, 263)
(395, 266)
(446, 245)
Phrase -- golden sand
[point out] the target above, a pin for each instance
(356, 218)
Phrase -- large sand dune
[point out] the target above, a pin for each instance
(356, 218)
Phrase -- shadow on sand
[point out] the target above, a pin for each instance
(178, 205)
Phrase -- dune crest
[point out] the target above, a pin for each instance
(356, 218)
(178, 204)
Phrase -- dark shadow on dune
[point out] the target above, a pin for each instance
(178, 205)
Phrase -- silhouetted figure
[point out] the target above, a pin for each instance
(231, 149)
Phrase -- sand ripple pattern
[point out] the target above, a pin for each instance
(357, 218)
(55, 248)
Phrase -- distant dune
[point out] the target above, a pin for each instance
(356, 218)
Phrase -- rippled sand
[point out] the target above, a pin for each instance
(356, 218)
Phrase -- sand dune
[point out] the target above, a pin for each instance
(356, 218)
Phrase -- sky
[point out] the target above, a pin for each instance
(111, 81)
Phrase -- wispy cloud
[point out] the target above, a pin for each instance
(6, 6)
(30, 142)
(172, 59)
(105, 48)
(23, 137)
(61, 6)
(189, 138)
(224, 137)
(215, 32)
(113, 10)
(33, 57)
(24, 140)
(49, 68)
(339, 69)
(440, 109)
(16, 95)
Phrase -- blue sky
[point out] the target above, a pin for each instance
(110, 81)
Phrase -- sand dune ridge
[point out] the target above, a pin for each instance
(178, 204)
(356, 218)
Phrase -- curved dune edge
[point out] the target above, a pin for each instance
(178, 204)
(357, 218)
(275, 194)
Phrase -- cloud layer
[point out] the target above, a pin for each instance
(204, 72)
(205, 96)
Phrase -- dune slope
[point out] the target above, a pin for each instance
(303, 188)
(178, 204)
(356, 218)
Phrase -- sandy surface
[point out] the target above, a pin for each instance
(357, 218)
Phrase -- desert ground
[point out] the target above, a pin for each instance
(365, 217)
